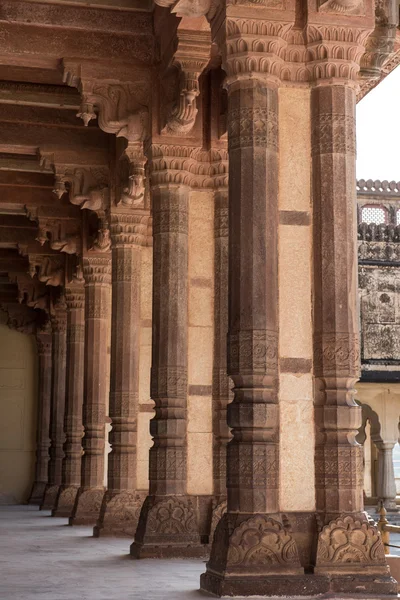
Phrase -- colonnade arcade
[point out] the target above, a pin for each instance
(131, 256)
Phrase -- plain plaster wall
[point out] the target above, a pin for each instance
(18, 410)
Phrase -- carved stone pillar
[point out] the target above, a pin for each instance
(168, 521)
(97, 273)
(386, 479)
(235, 566)
(44, 343)
(57, 436)
(71, 471)
(121, 504)
(221, 381)
(338, 457)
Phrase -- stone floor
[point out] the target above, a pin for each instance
(42, 558)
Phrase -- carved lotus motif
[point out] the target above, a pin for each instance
(350, 541)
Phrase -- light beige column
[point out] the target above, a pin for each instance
(57, 435)
(44, 343)
(97, 273)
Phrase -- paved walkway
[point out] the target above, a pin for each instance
(42, 558)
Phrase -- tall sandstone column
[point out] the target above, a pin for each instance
(97, 274)
(71, 468)
(253, 452)
(338, 457)
(44, 343)
(121, 504)
(57, 436)
(259, 547)
(386, 478)
(168, 523)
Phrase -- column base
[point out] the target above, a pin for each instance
(65, 502)
(37, 493)
(119, 515)
(289, 555)
(169, 528)
(50, 497)
(87, 506)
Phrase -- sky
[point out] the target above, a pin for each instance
(378, 131)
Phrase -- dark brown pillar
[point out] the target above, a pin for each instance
(97, 273)
(44, 343)
(71, 469)
(235, 566)
(168, 521)
(338, 457)
(57, 436)
(121, 504)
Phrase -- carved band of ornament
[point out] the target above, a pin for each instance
(273, 50)
(221, 223)
(97, 269)
(125, 269)
(189, 166)
(170, 221)
(76, 334)
(59, 323)
(254, 351)
(249, 127)
(168, 464)
(129, 230)
(75, 298)
(378, 187)
(253, 465)
(333, 133)
(339, 466)
(370, 232)
(379, 251)
(43, 346)
(169, 382)
(336, 354)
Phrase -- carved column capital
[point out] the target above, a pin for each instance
(75, 296)
(129, 229)
(97, 269)
(59, 316)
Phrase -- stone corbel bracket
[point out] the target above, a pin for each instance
(133, 195)
(380, 44)
(87, 185)
(20, 318)
(61, 234)
(120, 105)
(48, 269)
(191, 57)
(193, 8)
(31, 292)
(102, 240)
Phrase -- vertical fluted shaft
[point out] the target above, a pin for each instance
(57, 435)
(221, 382)
(253, 458)
(169, 346)
(97, 274)
(338, 459)
(157, 533)
(44, 343)
(71, 468)
(121, 504)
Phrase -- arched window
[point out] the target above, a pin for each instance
(375, 214)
